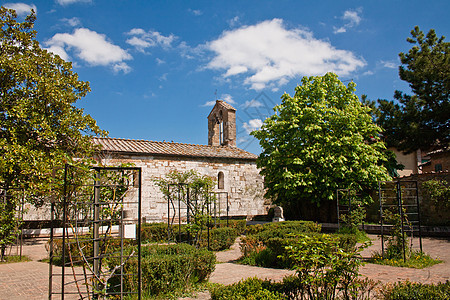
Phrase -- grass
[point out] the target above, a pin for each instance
(14, 259)
(417, 260)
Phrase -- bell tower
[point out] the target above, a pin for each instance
(222, 125)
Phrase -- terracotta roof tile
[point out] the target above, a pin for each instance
(171, 149)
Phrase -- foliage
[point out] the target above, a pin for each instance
(219, 238)
(416, 260)
(168, 267)
(196, 188)
(14, 258)
(291, 287)
(325, 270)
(40, 126)
(397, 243)
(154, 232)
(81, 246)
(409, 290)
(292, 226)
(356, 213)
(360, 235)
(420, 121)
(9, 221)
(266, 247)
(250, 288)
(318, 141)
(438, 191)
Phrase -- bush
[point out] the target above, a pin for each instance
(239, 225)
(271, 252)
(286, 226)
(76, 248)
(416, 259)
(166, 268)
(408, 290)
(153, 232)
(219, 238)
(251, 288)
(325, 269)
(290, 287)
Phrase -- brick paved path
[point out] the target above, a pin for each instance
(29, 280)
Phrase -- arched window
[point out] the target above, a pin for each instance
(220, 181)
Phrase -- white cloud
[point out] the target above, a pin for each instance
(389, 64)
(368, 73)
(352, 19)
(234, 21)
(21, 9)
(254, 124)
(209, 103)
(228, 98)
(121, 67)
(72, 21)
(142, 39)
(67, 2)
(252, 103)
(195, 12)
(91, 47)
(268, 54)
(159, 61)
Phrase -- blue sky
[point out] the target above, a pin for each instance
(156, 67)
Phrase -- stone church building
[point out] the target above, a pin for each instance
(234, 169)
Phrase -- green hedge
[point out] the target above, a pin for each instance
(251, 288)
(73, 246)
(408, 290)
(153, 232)
(285, 227)
(166, 268)
(221, 238)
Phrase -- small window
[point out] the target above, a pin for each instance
(220, 181)
(438, 167)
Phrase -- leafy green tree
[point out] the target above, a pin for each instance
(318, 141)
(420, 121)
(40, 128)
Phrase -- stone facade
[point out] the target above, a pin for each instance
(233, 169)
(241, 180)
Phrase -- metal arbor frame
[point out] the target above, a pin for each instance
(403, 197)
(344, 203)
(100, 216)
(181, 207)
(6, 194)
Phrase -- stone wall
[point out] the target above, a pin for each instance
(431, 214)
(242, 181)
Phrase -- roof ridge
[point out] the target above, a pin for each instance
(171, 148)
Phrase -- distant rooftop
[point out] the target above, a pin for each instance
(143, 147)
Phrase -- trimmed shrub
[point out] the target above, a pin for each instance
(166, 268)
(286, 227)
(251, 288)
(219, 238)
(407, 290)
(73, 246)
(153, 232)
